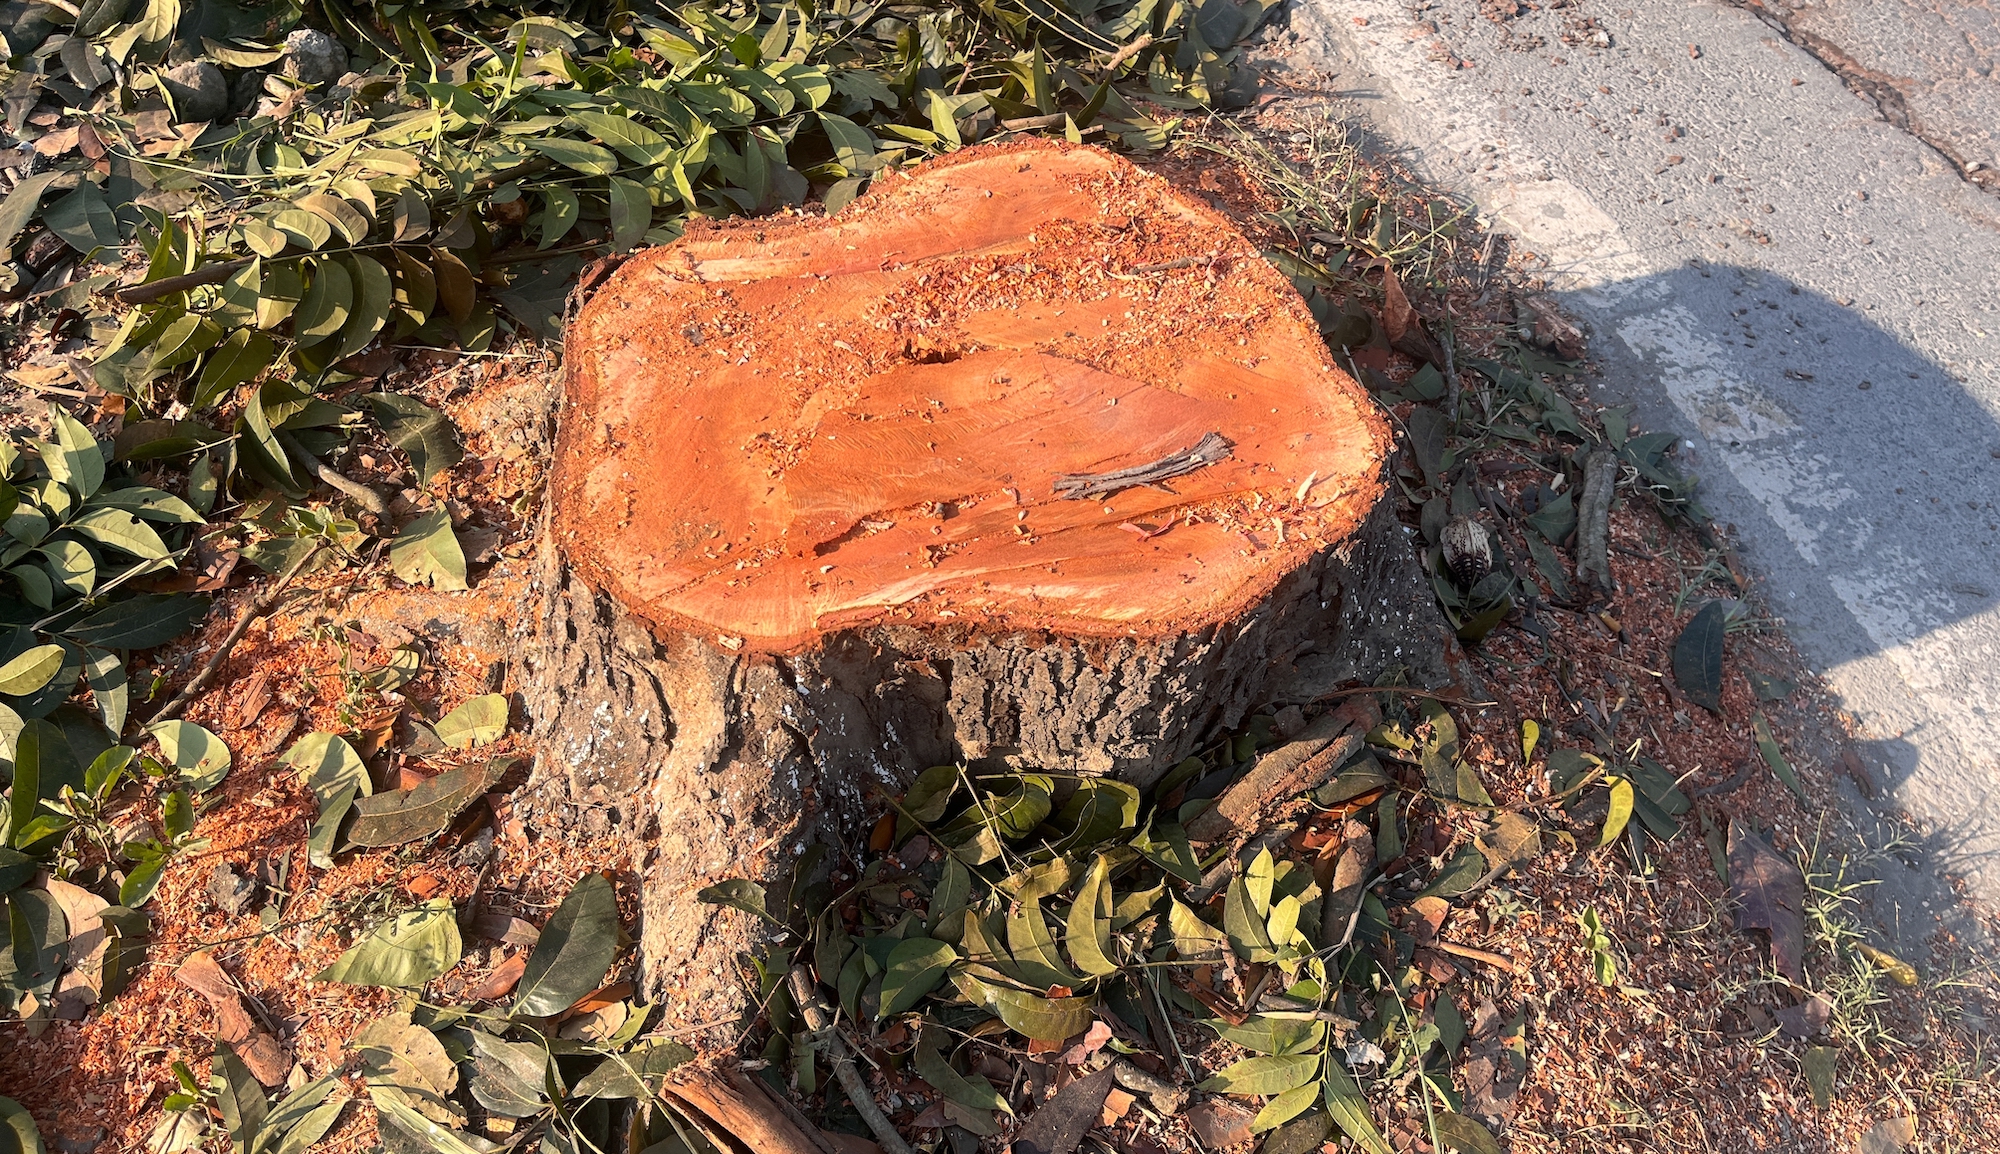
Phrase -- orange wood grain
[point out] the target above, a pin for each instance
(777, 428)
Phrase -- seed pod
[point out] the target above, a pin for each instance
(1468, 550)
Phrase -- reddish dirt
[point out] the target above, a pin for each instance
(776, 429)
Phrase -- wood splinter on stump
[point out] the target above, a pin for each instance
(1020, 460)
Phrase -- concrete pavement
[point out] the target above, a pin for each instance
(1805, 290)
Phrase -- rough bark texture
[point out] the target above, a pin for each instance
(721, 764)
(722, 759)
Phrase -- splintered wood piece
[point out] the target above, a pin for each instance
(954, 402)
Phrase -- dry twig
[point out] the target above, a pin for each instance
(259, 607)
(814, 1013)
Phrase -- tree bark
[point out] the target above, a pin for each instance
(692, 674)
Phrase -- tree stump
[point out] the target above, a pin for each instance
(1020, 460)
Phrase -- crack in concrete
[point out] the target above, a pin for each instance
(1878, 88)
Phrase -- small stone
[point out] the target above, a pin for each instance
(1221, 1124)
(313, 57)
(231, 892)
(199, 91)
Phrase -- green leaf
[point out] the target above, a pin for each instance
(948, 900)
(40, 933)
(426, 551)
(633, 1075)
(234, 362)
(915, 967)
(148, 504)
(1775, 757)
(636, 142)
(200, 755)
(16, 868)
(25, 798)
(84, 220)
(738, 894)
(31, 670)
(972, 1091)
(240, 1096)
(344, 217)
(79, 461)
(1274, 1034)
(1350, 1110)
(1167, 847)
(117, 529)
(139, 622)
(17, 1129)
(152, 440)
(335, 774)
(374, 295)
(19, 207)
(1099, 810)
(284, 290)
(853, 145)
(1264, 1074)
(425, 434)
(1244, 925)
(1089, 927)
(560, 211)
(408, 814)
(574, 953)
(943, 122)
(1285, 1107)
(1698, 657)
(1033, 1016)
(509, 1079)
(328, 302)
(1620, 813)
(1193, 938)
(301, 1119)
(478, 722)
(589, 159)
(1464, 1135)
(631, 213)
(143, 878)
(403, 952)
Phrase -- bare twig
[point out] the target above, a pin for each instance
(807, 1000)
(1031, 123)
(262, 605)
(1499, 961)
(370, 500)
(145, 294)
(1593, 520)
(1119, 57)
(1090, 486)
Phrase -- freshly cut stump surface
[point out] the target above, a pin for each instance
(829, 507)
(781, 430)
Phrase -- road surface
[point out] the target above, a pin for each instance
(1798, 281)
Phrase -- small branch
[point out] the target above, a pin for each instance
(1090, 486)
(1593, 521)
(145, 294)
(1498, 961)
(807, 1000)
(259, 607)
(369, 498)
(1119, 57)
(1030, 123)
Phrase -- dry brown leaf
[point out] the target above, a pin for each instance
(234, 1024)
(502, 980)
(1771, 895)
